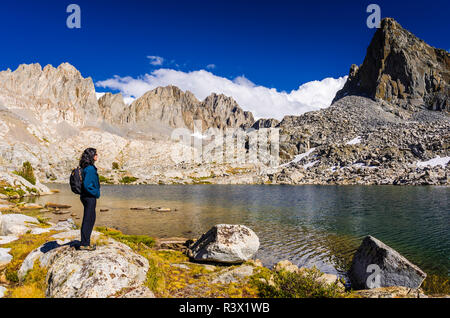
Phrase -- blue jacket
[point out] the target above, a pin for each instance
(91, 182)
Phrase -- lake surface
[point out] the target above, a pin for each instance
(309, 225)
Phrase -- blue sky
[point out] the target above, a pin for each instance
(276, 44)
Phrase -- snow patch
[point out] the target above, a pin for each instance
(299, 157)
(355, 141)
(438, 161)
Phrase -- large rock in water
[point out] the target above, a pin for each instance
(226, 243)
(395, 270)
(401, 69)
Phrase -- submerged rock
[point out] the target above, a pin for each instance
(395, 270)
(225, 244)
(57, 206)
(163, 210)
(31, 206)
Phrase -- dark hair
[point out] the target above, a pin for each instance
(87, 159)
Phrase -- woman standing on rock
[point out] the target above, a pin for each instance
(90, 192)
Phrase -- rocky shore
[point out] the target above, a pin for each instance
(39, 259)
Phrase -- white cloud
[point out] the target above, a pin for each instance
(262, 101)
(211, 66)
(156, 60)
(128, 100)
(99, 95)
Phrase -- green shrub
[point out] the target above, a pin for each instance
(27, 173)
(11, 192)
(127, 180)
(115, 166)
(299, 285)
(103, 179)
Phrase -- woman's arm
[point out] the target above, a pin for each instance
(90, 182)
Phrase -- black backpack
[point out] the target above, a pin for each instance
(76, 180)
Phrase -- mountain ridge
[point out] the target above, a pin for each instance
(51, 115)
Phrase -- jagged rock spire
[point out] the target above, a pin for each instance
(401, 69)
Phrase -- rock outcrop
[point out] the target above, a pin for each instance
(394, 269)
(99, 274)
(172, 107)
(12, 186)
(52, 94)
(5, 257)
(224, 243)
(265, 123)
(401, 69)
(16, 224)
(112, 106)
(360, 141)
(380, 128)
(391, 292)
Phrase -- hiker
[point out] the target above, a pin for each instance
(90, 192)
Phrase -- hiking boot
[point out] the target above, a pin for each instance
(89, 248)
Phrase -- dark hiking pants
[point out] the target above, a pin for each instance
(88, 220)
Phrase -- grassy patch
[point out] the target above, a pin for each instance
(132, 241)
(33, 286)
(298, 285)
(200, 180)
(20, 250)
(12, 192)
(103, 179)
(128, 180)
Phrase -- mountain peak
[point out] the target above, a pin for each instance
(401, 69)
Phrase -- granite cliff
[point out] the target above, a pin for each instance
(174, 108)
(401, 69)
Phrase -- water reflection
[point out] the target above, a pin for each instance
(309, 225)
